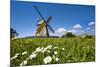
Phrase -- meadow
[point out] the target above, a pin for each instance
(40, 51)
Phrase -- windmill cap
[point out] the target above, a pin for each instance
(40, 21)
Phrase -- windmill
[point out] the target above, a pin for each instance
(13, 33)
(43, 26)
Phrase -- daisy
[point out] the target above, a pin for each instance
(48, 51)
(63, 49)
(44, 50)
(55, 52)
(32, 56)
(55, 47)
(23, 63)
(34, 52)
(48, 59)
(24, 53)
(57, 59)
(14, 57)
(38, 49)
(54, 57)
(49, 47)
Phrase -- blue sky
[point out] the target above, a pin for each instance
(78, 19)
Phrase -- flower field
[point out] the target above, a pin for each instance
(39, 51)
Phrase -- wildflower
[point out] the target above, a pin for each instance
(17, 54)
(55, 52)
(24, 53)
(32, 56)
(14, 57)
(48, 51)
(54, 57)
(63, 49)
(57, 59)
(44, 50)
(49, 47)
(23, 63)
(38, 49)
(34, 52)
(48, 59)
(55, 47)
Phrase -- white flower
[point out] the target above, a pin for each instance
(57, 59)
(23, 63)
(14, 57)
(44, 50)
(17, 54)
(38, 49)
(49, 47)
(55, 47)
(48, 59)
(24, 53)
(32, 56)
(63, 49)
(55, 52)
(34, 52)
(48, 51)
(54, 57)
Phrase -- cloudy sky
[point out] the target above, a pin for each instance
(78, 19)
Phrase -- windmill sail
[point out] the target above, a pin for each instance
(42, 27)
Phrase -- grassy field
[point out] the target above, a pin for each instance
(36, 51)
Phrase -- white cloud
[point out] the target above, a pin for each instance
(91, 23)
(77, 26)
(81, 31)
(73, 31)
(88, 28)
(60, 32)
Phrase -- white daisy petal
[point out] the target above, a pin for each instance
(55, 52)
(55, 47)
(38, 49)
(57, 59)
(24, 53)
(63, 49)
(48, 59)
(14, 57)
(48, 51)
(23, 63)
(32, 56)
(54, 57)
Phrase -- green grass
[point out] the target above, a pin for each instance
(76, 50)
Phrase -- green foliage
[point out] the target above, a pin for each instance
(69, 34)
(76, 50)
(88, 36)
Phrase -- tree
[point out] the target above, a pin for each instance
(88, 36)
(69, 34)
